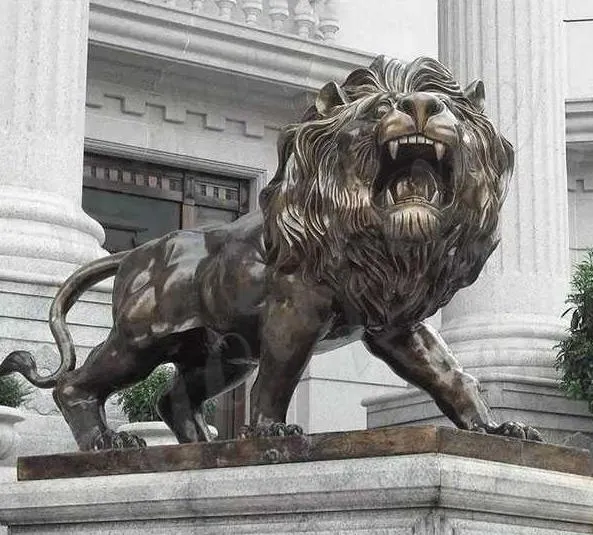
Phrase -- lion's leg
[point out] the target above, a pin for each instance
(292, 322)
(182, 406)
(81, 393)
(176, 410)
(421, 357)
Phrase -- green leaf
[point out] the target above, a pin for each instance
(13, 391)
(138, 402)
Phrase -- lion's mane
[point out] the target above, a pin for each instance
(322, 225)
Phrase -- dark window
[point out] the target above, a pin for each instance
(137, 201)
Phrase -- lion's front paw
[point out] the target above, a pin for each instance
(273, 429)
(516, 430)
(112, 440)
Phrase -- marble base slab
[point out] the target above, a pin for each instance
(408, 494)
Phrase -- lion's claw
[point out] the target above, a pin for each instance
(516, 430)
(273, 429)
(112, 440)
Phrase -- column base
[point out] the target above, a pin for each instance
(536, 401)
(512, 344)
(44, 237)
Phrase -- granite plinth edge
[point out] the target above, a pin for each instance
(382, 442)
(420, 494)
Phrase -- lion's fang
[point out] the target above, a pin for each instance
(439, 149)
(393, 147)
(390, 199)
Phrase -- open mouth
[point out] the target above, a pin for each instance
(414, 169)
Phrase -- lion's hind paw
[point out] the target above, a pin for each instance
(112, 440)
(274, 429)
(517, 430)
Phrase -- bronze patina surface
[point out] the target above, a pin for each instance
(385, 203)
(303, 448)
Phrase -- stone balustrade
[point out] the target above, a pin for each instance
(309, 19)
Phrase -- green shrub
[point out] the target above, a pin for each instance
(575, 355)
(138, 402)
(13, 391)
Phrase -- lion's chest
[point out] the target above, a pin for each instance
(396, 295)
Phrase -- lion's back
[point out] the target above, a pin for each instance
(159, 288)
(153, 292)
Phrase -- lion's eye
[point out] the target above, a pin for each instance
(382, 109)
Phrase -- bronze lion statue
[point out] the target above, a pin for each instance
(385, 203)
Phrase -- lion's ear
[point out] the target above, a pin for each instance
(476, 94)
(330, 96)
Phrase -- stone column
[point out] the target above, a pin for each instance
(44, 234)
(509, 320)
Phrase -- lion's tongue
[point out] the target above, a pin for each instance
(420, 182)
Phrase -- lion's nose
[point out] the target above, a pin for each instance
(421, 107)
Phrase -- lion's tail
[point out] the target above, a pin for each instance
(81, 280)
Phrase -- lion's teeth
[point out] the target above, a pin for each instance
(389, 196)
(393, 147)
(416, 140)
(439, 149)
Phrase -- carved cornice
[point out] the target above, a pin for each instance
(258, 176)
(178, 40)
(579, 120)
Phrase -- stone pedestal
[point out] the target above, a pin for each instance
(436, 482)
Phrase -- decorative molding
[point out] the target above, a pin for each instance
(94, 97)
(258, 176)
(173, 112)
(173, 159)
(215, 121)
(164, 35)
(580, 184)
(132, 104)
(579, 120)
(255, 129)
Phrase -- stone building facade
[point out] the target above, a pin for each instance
(177, 126)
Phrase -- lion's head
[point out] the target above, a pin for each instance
(389, 189)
